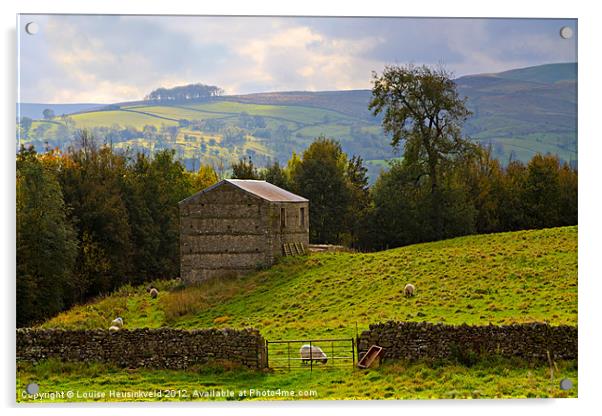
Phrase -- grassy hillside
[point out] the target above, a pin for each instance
(118, 117)
(549, 73)
(505, 278)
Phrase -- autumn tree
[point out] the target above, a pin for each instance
(92, 182)
(359, 192)
(203, 178)
(421, 108)
(321, 177)
(244, 169)
(46, 242)
(276, 175)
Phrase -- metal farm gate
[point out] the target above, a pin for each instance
(286, 355)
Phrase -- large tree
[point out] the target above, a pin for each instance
(48, 114)
(421, 107)
(359, 190)
(46, 242)
(276, 175)
(320, 176)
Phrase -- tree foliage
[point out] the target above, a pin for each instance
(48, 114)
(244, 169)
(184, 93)
(421, 107)
(320, 177)
(90, 220)
(46, 242)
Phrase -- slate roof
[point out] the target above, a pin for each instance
(262, 189)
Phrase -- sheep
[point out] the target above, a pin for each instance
(113, 328)
(153, 293)
(312, 353)
(409, 290)
(117, 322)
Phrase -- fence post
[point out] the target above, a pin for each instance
(267, 362)
(311, 359)
(332, 349)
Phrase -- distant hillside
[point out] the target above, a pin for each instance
(545, 74)
(353, 103)
(34, 110)
(504, 278)
(524, 111)
(519, 113)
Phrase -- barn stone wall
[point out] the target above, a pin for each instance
(413, 340)
(224, 231)
(228, 231)
(153, 348)
(295, 231)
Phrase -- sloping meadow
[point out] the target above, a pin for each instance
(525, 276)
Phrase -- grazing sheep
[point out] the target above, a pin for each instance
(117, 322)
(113, 328)
(312, 353)
(153, 293)
(409, 290)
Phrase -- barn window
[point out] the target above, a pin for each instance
(302, 217)
(282, 217)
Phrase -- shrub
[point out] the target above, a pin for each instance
(463, 355)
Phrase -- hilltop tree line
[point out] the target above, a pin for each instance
(90, 219)
(184, 93)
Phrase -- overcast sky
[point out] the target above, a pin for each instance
(103, 59)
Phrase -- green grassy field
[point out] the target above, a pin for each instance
(504, 278)
(178, 113)
(491, 378)
(501, 278)
(296, 114)
(119, 118)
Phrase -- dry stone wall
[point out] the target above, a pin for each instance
(413, 340)
(153, 348)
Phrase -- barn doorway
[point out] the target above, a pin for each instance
(317, 354)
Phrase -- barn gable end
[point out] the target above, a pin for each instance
(237, 226)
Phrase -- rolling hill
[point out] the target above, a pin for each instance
(519, 112)
(501, 278)
(505, 278)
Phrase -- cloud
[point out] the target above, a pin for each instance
(118, 58)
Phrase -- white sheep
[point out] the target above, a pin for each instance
(312, 353)
(113, 328)
(117, 322)
(153, 293)
(409, 290)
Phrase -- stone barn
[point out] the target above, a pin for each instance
(237, 226)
